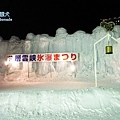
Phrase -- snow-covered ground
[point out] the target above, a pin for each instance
(52, 90)
(63, 100)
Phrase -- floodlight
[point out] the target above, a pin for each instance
(73, 68)
(6, 63)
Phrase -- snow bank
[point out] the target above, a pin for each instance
(82, 104)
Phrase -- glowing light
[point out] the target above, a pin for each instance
(11, 61)
(73, 68)
(6, 62)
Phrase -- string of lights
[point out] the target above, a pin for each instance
(116, 20)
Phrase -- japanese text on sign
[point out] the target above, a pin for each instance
(47, 57)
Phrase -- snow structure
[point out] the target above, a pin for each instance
(107, 65)
(75, 99)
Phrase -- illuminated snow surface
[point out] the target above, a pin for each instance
(68, 100)
(53, 91)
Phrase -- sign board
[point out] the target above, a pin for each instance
(43, 57)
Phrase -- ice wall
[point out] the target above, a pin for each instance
(80, 42)
(12, 46)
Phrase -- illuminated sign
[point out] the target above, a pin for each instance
(43, 57)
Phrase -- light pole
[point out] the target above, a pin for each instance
(95, 55)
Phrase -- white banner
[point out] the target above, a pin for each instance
(43, 57)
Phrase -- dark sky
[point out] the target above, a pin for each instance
(46, 16)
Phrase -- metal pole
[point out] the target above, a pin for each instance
(28, 66)
(95, 55)
(95, 58)
(95, 66)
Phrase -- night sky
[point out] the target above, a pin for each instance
(46, 16)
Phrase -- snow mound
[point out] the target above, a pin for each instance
(82, 104)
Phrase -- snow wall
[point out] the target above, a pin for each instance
(107, 65)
